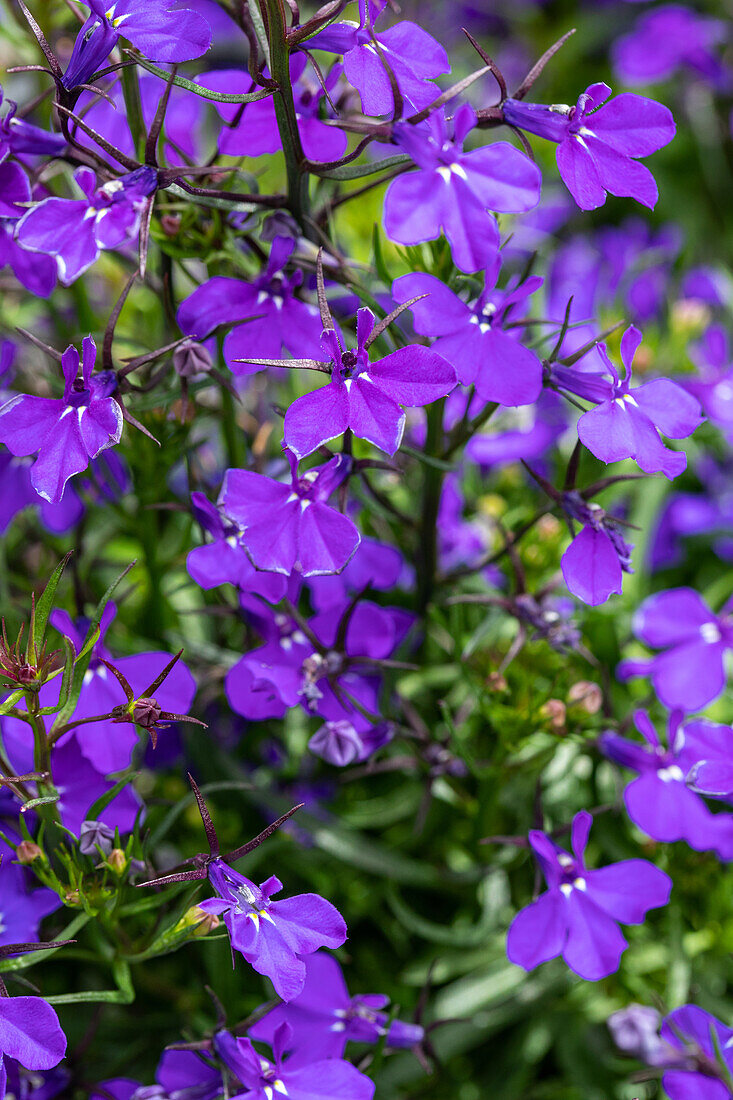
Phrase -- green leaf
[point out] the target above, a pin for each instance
(357, 171)
(66, 680)
(103, 802)
(198, 89)
(123, 995)
(42, 610)
(7, 705)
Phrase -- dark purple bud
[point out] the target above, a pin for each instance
(93, 835)
(147, 713)
(191, 358)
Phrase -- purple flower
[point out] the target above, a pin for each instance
(453, 191)
(281, 321)
(77, 783)
(341, 744)
(21, 909)
(289, 670)
(324, 1017)
(36, 273)
(108, 745)
(328, 1079)
(635, 1031)
(690, 672)
(376, 565)
(412, 54)
(181, 1075)
(65, 433)
(18, 136)
(689, 1030)
(30, 1033)
(273, 936)
(714, 387)
(253, 131)
(471, 335)
(577, 916)
(107, 117)
(74, 231)
(597, 146)
(626, 423)
(594, 563)
(162, 34)
(291, 527)
(660, 800)
(225, 560)
(366, 397)
(666, 39)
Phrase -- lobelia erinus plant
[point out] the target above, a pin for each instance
(311, 380)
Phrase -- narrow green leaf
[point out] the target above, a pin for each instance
(357, 171)
(103, 802)
(198, 89)
(44, 606)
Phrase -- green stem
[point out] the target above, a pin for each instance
(427, 551)
(273, 14)
(133, 109)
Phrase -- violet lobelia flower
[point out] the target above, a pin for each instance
(286, 528)
(626, 423)
(594, 563)
(18, 136)
(666, 39)
(254, 131)
(578, 915)
(273, 936)
(74, 231)
(660, 800)
(697, 1039)
(325, 1017)
(30, 1032)
(21, 909)
(36, 273)
(181, 1075)
(225, 559)
(339, 743)
(598, 142)
(471, 335)
(161, 32)
(66, 432)
(414, 57)
(453, 191)
(327, 1079)
(275, 319)
(635, 1031)
(365, 397)
(690, 671)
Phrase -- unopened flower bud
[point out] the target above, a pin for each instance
(170, 224)
(548, 528)
(198, 921)
(117, 861)
(147, 712)
(27, 852)
(191, 358)
(93, 835)
(554, 711)
(496, 682)
(72, 898)
(586, 696)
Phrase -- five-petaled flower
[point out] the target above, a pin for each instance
(273, 936)
(453, 191)
(598, 142)
(578, 915)
(365, 397)
(66, 432)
